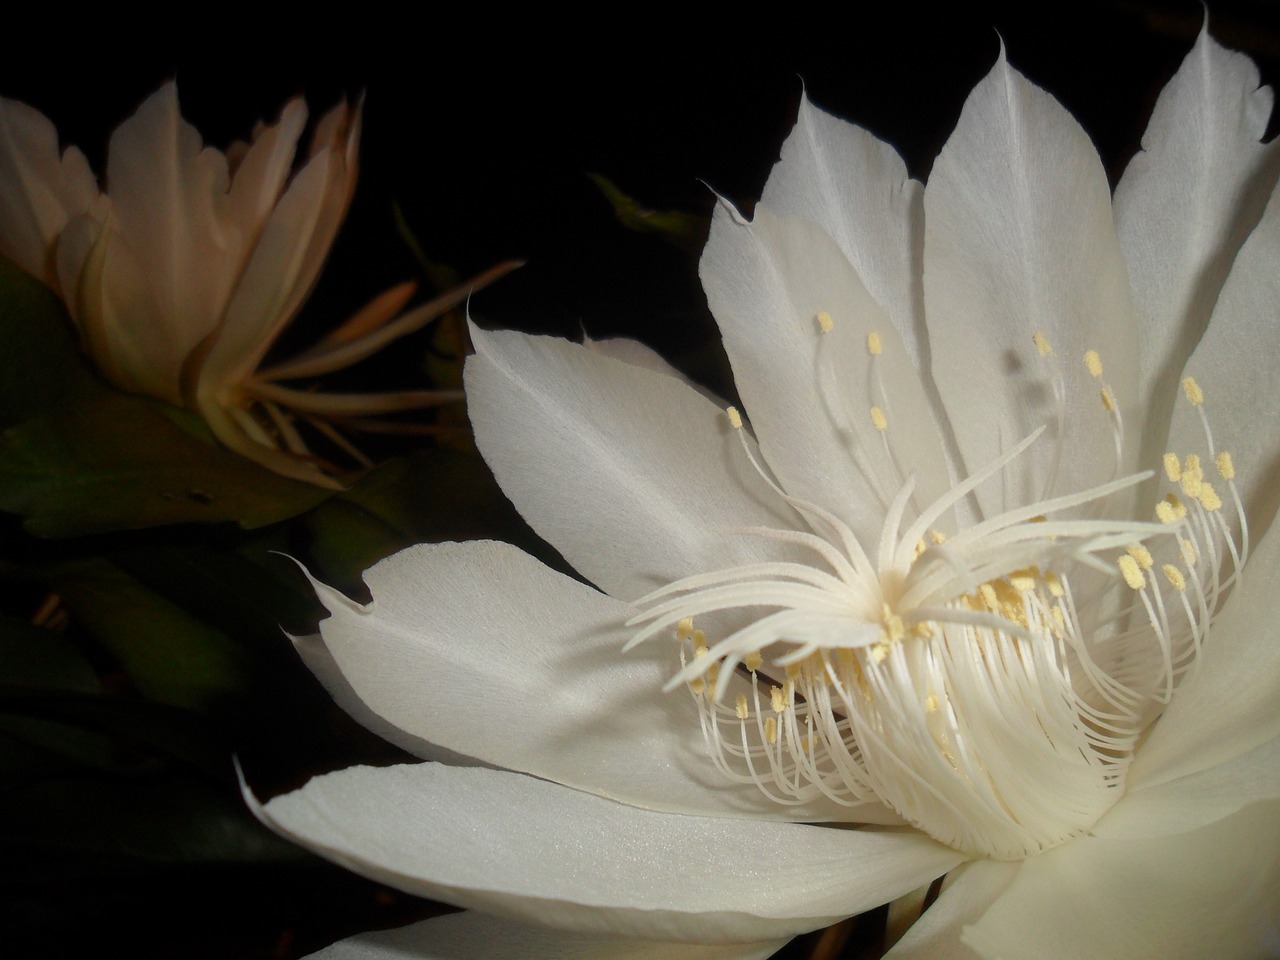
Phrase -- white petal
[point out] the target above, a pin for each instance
(537, 852)
(470, 936)
(481, 649)
(810, 394)
(166, 193)
(1235, 365)
(1214, 892)
(639, 355)
(1188, 201)
(967, 894)
(856, 188)
(635, 478)
(1189, 802)
(1228, 706)
(39, 190)
(321, 662)
(1019, 238)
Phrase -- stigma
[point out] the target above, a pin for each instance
(986, 677)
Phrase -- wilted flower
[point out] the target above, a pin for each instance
(972, 580)
(184, 272)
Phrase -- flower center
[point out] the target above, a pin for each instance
(990, 684)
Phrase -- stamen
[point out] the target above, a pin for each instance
(1192, 389)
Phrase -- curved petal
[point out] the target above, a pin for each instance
(39, 190)
(967, 894)
(468, 935)
(856, 188)
(1229, 706)
(1019, 239)
(1188, 201)
(635, 478)
(1189, 802)
(1235, 365)
(321, 662)
(775, 284)
(261, 174)
(638, 354)
(167, 192)
(1214, 892)
(537, 852)
(480, 648)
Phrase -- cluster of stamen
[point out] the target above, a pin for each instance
(988, 685)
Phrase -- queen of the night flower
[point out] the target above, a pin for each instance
(981, 569)
(181, 273)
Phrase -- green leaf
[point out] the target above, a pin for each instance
(170, 656)
(169, 819)
(120, 462)
(139, 734)
(35, 659)
(41, 365)
(687, 231)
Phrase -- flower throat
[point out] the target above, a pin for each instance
(987, 681)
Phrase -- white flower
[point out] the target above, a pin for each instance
(181, 277)
(974, 578)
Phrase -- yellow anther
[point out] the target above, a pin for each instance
(1023, 583)
(698, 686)
(1209, 498)
(1174, 576)
(989, 597)
(770, 730)
(1141, 554)
(874, 346)
(713, 671)
(1192, 475)
(701, 650)
(754, 661)
(923, 629)
(1054, 584)
(741, 707)
(1188, 550)
(1042, 343)
(1179, 508)
(1165, 512)
(1094, 363)
(920, 548)
(699, 640)
(937, 536)
(1059, 617)
(877, 419)
(684, 629)
(1132, 574)
(735, 418)
(879, 652)
(1226, 469)
(931, 704)
(1192, 389)
(1172, 467)
(777, 700)
(825, 323)
(1108, 399)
